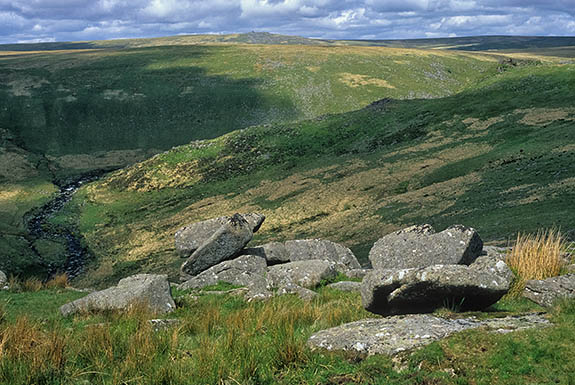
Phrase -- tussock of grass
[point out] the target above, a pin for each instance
(536, 256)
(59, 281)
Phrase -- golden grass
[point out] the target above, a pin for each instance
(536, 256)
(59, 281)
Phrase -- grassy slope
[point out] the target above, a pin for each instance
(69, 112)
(497, 158)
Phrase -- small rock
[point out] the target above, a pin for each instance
(161, 324)
(150, 289)
(346, 286)
(357, 273)
(303, 293)
(307, 274)
(546, 292)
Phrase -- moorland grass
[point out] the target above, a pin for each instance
(224, 339)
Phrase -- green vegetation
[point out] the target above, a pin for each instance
(496, 157)
(223, 339)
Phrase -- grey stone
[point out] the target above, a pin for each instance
(291, 288)
(162, 324)
(242, 271)
(308, 249)
(357, 273)
(307, 274)
(346, 286)
(3, 279)
(273, 252)
(493, 263)
(226, 243)
(149, 289)
(189, 238)
(396, 334)
(570, 268)
(420, 246)
(422, 290)
(546, 292)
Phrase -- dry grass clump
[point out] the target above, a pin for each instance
(59, 281)
(536, 256)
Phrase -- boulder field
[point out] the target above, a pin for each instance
(415, 271)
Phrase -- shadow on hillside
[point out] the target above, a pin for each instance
(148, 98)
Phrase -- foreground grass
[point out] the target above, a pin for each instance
(223, 339)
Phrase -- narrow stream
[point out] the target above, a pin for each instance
(38, 227)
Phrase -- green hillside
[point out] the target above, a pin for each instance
(497, 157)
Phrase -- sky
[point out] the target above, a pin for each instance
(27, 21)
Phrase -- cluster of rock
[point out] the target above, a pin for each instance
(215, 251)
(415, 271)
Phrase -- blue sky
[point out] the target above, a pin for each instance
(74, 20)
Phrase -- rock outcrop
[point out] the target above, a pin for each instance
(146, 289)
(189, 238)
(420, 246)
(3, 279)
(546, 292)
(422, 290)
(273, 252)
(226, 243)
(392, 335)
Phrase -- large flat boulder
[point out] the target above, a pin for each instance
(307, 274)
(189, 238)
(148, 289)
(396, 334)
(422, 290)
(420, 246)
(226, 243)
(273, 252)
(242, 271)
(545, 292)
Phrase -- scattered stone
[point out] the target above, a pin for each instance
(307, 274)
(422, 290)
(420, 246)
(309, 249)
(546, 292)
(273, 252)
(291, 288)
(224, 244)
(396, 334)
(149, 289)
(162, 324)
(242, 271)
(189, 238)
(346, 286)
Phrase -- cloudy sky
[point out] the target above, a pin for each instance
(74, 20)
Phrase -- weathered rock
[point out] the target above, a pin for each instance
(546, 292)
(226, 243)
(3, 279)
(420, 246)
(357, 273)
(571, 269)
(494, 263)
(422, 290)
(162, 324)
(307, 274)
(291, 288)
(346, 286)
(392, 335)
(189, 238)
(273, 252)
(148, 289)
(308, 249)
(242, 271)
